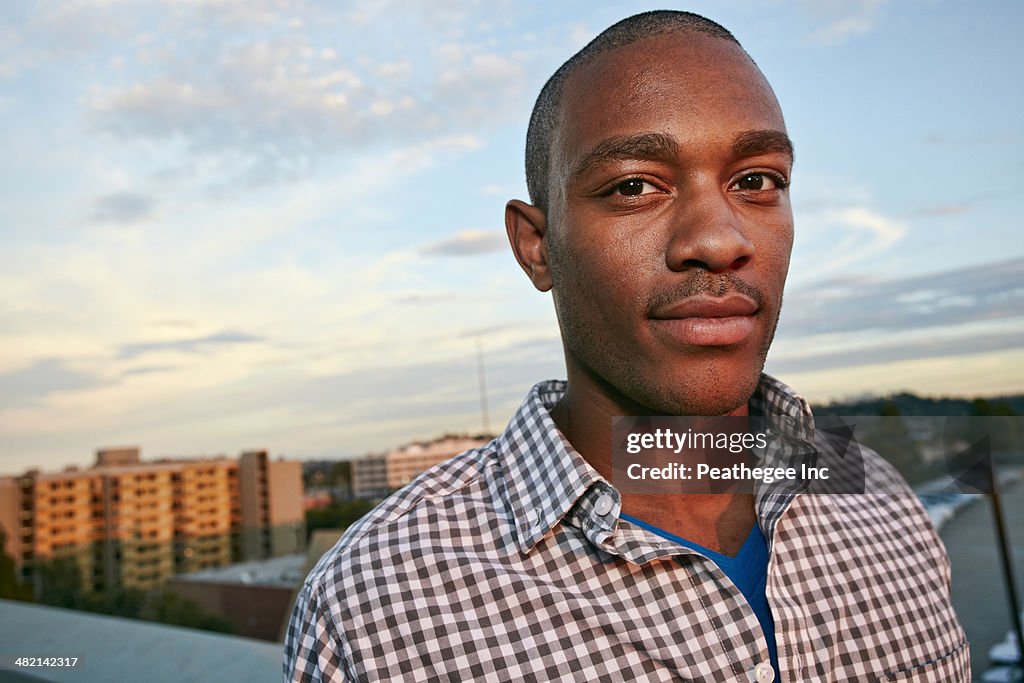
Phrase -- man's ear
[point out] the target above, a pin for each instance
(526, 226)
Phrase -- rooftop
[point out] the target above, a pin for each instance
(286, 570)
(115, 649)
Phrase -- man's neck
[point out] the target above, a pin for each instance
(719, 521)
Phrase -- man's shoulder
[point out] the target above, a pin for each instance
(880, 475)
(854, 467)
(866, 491)
(417, 517)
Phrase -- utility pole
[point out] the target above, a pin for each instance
(483, 385)
(1008, 577)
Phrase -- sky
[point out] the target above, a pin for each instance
(278, 224)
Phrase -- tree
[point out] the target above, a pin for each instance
(337, 516)
(981, 407)
(889, 408)
(11, 588)
(167, 607)
(60, 583)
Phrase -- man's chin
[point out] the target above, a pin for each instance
(706, 394)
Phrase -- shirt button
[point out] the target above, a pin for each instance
(604, 504)
(764, 673)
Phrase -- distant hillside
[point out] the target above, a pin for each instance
(923, 449)
(912, 405)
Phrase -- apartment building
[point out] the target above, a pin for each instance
(132, 524)
(370, 476)
(376, 475)
(271, 504)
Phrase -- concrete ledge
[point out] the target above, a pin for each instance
(116, 650)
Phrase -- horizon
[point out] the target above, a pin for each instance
(422, 440)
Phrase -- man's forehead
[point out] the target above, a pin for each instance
(682, 75)
(640, 64)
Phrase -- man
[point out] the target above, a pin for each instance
(658, 168)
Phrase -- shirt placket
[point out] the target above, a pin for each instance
(740, 652)
(773, 503)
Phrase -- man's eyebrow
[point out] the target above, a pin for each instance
(754, 142)
(645, 146)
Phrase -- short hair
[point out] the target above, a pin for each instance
(546, 110)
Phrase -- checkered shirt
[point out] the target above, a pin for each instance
(497, 566)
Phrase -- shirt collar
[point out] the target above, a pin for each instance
(545, 476)
(772, 398)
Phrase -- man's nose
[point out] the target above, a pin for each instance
(707, 234)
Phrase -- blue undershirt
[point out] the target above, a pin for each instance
(748, 570)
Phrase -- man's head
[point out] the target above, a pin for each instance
(546, 110)
(657, 164)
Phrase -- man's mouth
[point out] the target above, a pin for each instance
(707, 321)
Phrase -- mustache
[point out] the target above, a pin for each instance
(708, 284)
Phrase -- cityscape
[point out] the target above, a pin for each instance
(192, 525)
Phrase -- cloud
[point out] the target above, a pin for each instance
(965, 204)
(579, 34)
(192, 345)
(943, 300)
(78, 27)
(148, 370)
(398, 70)
(865, 323)
(848, 235)
(268, 106)
(488, 330)
(46, 376)
(943, 210)
(251, 118)
(421, 298)
(243, 12)
(885, 230)
(14, 57)
(467, 243)
(175, 323)
(255, 92)
(845, 19)
(362, 399)
(887, 353)
(286, 410)
(123, 208)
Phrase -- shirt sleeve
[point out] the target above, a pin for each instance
(314, 651)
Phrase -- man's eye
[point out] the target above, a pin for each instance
(759, 182)
(634, 187)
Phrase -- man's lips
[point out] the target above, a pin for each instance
(707, 321)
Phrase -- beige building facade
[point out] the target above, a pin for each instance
(377, 475)
(130, 524)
